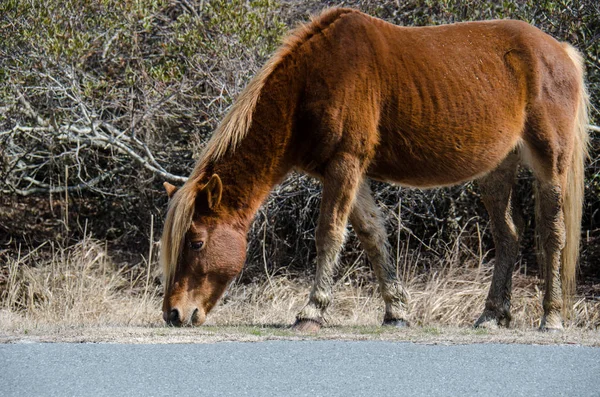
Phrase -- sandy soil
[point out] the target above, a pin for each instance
(257, 333)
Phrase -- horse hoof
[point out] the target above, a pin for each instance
(551, 330)
(486, 322)
(490, 320)
(306, 326)
(397, 323)
(552, 324)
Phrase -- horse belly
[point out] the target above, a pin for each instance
(440, 159)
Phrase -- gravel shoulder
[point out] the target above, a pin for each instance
(257, 333)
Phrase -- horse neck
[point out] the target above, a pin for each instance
(263, 157)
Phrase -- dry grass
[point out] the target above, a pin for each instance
(450, 296)
(74, 286)
(78, 291)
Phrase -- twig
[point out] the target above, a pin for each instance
(45, 188)
(29, 110)
(94, 137)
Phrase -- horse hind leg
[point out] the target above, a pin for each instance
(368, 224)
(552, 164)
(498, 194)
(340, 184)
(551, 241)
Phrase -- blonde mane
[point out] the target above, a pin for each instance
(227, 137)
(236, 123)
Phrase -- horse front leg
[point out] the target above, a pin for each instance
(340, 183)
(497, 192)
(369, 226)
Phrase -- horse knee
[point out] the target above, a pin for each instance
(329, 237)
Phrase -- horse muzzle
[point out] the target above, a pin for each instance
(179, 317)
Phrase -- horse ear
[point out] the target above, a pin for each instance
(213, 191)
(170, 189)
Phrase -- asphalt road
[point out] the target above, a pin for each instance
(293, 368)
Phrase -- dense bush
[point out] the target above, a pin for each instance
(112, 94)
(104, 100)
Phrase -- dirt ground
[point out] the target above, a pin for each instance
(258, 333)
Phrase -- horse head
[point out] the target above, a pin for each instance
(203, 250)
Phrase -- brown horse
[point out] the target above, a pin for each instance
(350, 97)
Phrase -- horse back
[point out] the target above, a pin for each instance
(425, 106)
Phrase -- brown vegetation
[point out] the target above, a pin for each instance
(80, 287)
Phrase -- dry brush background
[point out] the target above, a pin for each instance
(101, 101)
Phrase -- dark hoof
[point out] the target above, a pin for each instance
(551, 330)
(492, 321)
(395, 323)
(306, 326)
(486, 323)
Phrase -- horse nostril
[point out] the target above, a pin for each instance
(173, 318)
(195, 316)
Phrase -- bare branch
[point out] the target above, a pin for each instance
(95, 137)
(45, 188)
(29, 110)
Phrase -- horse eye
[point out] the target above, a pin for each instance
(196, 245)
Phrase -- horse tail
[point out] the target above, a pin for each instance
(574, 194)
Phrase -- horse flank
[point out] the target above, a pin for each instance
(231, 131)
